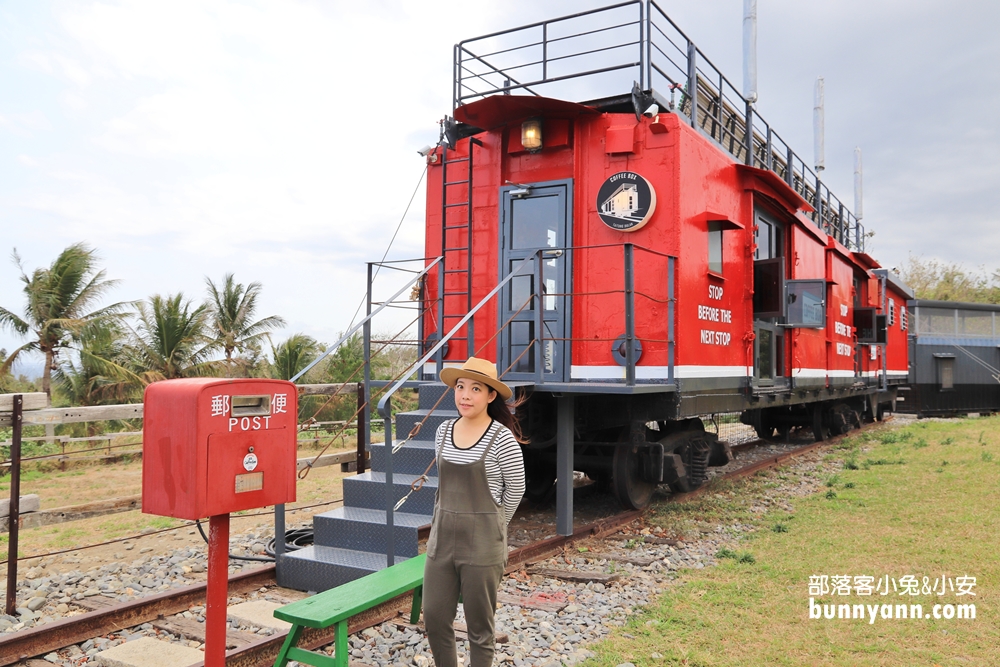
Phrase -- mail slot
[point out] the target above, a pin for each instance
(214, 446)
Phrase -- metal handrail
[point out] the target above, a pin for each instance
(385, 407)
(710, 102)
(353, 330)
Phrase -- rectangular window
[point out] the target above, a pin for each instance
(806, 301)
(715, 247)
(892, 311)
(768, 287)
(864, 325)
(946, 372)
(903, 321)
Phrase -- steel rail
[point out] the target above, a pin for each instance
(40, 640)
(53, 636)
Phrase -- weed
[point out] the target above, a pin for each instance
(986, 456)
(583, 549)
(747, 557)
(882, 462)
(630, 544)
(944, 463)
(851, 463)
(726, 553)
(780, 528)
(947, 441)
(849, 485)
(831, 494)
(981, 434)
(833, 480)
(612, 567)
(919, 443)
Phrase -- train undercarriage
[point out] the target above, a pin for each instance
(628, 448)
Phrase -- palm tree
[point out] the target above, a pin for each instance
(170, 340)
(59, 302)
(100, 374)
(232, 311)
(293, 355)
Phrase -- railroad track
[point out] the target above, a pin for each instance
(259, 652)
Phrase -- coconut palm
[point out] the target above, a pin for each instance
(100, 372)
(292, 355)
(232, 308)
(170, 339)
(59, 300)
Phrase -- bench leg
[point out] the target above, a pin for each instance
(418, 597)
(290, 641)
(340, 656)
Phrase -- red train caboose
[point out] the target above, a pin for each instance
(635, 261)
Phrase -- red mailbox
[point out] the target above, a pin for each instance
(213, 446)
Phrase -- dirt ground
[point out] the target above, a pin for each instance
(57, 489)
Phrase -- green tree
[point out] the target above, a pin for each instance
(941, 281)
(232, 308)
(170, 340)
(10, 384)
(59, 301)
(99, 374)
(292, 355)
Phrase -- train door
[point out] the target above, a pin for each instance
(532, 218)
(768, 301)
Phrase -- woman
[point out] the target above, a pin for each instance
(480, 483)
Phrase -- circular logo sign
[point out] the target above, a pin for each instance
(626, 201)
(249, 462)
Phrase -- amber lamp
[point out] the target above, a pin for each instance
(531, 134)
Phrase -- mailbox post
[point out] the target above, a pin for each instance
(211, 447)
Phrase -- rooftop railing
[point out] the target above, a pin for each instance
(595, 55)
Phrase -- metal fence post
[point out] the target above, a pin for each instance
(364, 434)
(693, 81)
(362, 428)
(671, 309)
(629, 316)
(13, 519)
(539, 304)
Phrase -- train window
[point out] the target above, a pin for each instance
(768, 287)
(766, 238)
(806, 303)
(715, 246)
(535, 222)
(946, 372)
(892, 311)
(903, 320)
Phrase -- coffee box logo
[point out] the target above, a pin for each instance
(626, 201)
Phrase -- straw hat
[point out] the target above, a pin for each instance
(479, 370)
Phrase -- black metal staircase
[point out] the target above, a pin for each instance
(350, 541)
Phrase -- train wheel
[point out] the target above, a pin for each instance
(820, 430)
(626, 483)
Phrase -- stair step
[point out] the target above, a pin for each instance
(412, 459)
(405, 421)
(368, 490)
(430, 393)
(363, 529)
(319, 568)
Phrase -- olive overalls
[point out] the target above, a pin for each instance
(466, 554)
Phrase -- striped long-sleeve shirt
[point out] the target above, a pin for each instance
(504, 463)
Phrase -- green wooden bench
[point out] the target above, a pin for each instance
(338, 605)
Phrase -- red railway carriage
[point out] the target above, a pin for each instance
(639, 260)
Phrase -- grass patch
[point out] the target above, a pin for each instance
(922, 519)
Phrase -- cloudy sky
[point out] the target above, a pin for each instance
(187, 139)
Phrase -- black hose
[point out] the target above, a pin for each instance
(232, 555)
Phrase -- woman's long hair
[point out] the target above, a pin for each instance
(506, 414)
